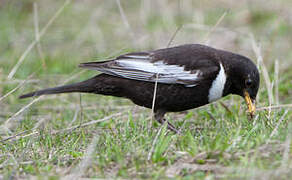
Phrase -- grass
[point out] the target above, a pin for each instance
(74, 135)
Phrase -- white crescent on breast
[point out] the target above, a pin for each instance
(217, 87)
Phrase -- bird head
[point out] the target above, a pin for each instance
(245, 80)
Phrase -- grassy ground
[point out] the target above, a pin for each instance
(78, 135)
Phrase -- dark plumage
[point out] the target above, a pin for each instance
(188, 76)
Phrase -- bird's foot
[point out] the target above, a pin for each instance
(172, 128)
(169, 126)
(159, 117)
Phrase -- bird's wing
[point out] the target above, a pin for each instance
(170, 66)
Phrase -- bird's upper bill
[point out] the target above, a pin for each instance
(250, 103)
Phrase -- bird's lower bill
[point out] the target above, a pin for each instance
(250, 104)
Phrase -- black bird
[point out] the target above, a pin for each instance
(187, 76)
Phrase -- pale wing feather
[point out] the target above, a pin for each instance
(141, 68)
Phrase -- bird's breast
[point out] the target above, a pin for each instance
(218, 84)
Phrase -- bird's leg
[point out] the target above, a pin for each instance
(159, 116)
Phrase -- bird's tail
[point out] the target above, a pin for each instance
(87, 86)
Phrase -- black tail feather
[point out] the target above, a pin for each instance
(84, 86)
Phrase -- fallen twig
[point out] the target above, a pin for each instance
(63, 130)
(274, 107)
(155, 141)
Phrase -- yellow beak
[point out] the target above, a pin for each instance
(251, 106)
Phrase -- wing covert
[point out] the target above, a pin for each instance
(152, 67)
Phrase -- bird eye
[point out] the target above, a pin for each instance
(248, 82)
